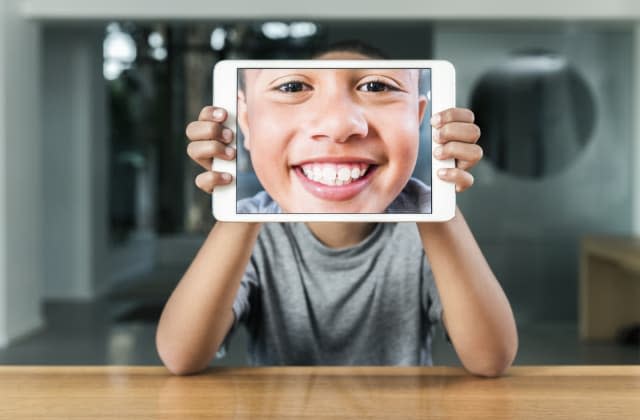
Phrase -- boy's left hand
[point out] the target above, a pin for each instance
(455, 136)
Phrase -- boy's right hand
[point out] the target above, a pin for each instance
(208, 138)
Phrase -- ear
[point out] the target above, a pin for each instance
(243, 120)
(422, 107)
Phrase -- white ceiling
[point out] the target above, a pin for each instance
(627, 10)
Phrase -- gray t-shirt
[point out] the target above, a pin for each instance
(304, 303)
(415, 197)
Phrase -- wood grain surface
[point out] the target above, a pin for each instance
(114, 392)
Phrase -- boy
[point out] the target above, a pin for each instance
(339, 293)
(371, 118)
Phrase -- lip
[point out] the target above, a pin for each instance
(335, 192)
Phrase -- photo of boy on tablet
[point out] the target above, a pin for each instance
(335, 140)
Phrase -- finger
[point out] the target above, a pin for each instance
(207, 181)
(204, 130)
(460, 151)
(457, 131)
(461, 178)
(465, 164)
(213, 114)
(452, 115)
(202, 152)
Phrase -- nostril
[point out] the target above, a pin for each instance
(346, 126)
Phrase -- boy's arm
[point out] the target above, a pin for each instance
(476, 311)
(479, 319)
(198, 315)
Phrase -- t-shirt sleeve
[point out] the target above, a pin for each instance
(242, 303)
(431, 304)
(415, 197)
(261, 202)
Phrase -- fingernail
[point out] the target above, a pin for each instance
(436, 136)
(218, 114)
(226, 177)
(438, 151)
(458, 189)
(229, 151)
(227, 134)
(435, 120)
(442, 172)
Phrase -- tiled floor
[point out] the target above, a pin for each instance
(114, 332)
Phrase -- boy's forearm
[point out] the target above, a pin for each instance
(198, 314)
(478, 316)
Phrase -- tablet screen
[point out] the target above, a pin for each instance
(333, 140)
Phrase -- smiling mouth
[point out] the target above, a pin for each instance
(335, 181)
(335, 174)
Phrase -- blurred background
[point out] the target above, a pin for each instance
(100, 216)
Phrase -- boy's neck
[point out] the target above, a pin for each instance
(340, 235)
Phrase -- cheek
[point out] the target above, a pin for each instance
(268, 132)
(270, 123)
(271, 132)
(400, 135)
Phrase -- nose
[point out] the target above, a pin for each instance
(339, 118)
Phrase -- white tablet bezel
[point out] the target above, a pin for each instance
(443, 199)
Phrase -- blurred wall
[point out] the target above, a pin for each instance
(20, 175)
(530, 228)
(74, 113)
(635, 156)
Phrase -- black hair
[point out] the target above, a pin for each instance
(352, 46)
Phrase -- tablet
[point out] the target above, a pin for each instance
(333, 140)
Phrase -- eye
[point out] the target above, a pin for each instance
(293, 87)
(376, 86)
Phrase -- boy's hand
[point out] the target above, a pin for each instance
(456, 136)
(209, 139)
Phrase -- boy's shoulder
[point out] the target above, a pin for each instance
(415, 197)
(259, 203)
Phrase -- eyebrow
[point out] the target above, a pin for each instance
(383, 71)
(397, 75)
(288, 75)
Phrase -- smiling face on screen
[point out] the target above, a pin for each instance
(332, 140)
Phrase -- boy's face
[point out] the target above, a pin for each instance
(332, 140)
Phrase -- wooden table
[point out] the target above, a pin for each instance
(123, 393)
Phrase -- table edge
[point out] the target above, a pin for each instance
(529, 370)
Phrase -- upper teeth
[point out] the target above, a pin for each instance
(334, 174)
